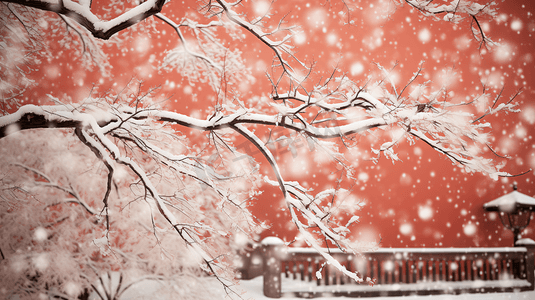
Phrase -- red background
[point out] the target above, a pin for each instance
(397, 196)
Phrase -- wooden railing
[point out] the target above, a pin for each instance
(393, 271)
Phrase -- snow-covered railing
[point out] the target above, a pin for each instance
(394, 271)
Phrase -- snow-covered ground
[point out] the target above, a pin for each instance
(253, 290)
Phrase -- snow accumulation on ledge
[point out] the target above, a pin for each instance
(420, 250)
(253, 290)
(290, 285)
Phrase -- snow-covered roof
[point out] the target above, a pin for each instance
(416, 250)
(511, 202)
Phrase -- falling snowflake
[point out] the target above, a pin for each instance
(424, 35)
(469, 229)
(405, 228)
(425, 212)
(40, 234)
(516, 25)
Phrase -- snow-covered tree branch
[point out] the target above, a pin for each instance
(457, 11)
(81, 12)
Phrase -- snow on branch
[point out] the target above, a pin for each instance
(81, 12)
(447, 131)
(185, 47)
(31, 116)
(279, 47)
(457, 10)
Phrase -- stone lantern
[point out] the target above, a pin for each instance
(514, 209)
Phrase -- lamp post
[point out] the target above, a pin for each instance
(514, 209)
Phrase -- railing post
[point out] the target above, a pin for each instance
(530, 259)
(272, 253)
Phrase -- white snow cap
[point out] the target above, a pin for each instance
(510, 202)
(525, 242)
(271, 240)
